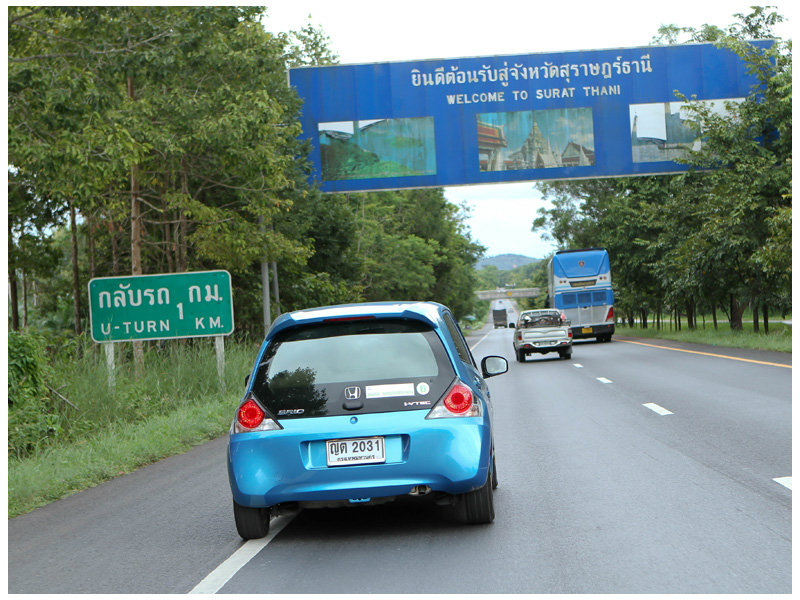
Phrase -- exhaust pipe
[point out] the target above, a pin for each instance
(420, 490)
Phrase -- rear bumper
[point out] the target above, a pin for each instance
(269, 468)
(544, 346)
(592, 331)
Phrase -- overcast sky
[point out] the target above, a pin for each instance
(364, 31)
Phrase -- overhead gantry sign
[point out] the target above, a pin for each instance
(568, 115)
(512, 293)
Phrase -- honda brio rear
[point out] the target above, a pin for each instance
(361, 404)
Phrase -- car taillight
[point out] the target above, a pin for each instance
(519, 336)
(459, 399)
(569, 332)
(458, 402)
(251, 417)
(610, 315)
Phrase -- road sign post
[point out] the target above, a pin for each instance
(158, 307)
(109, 348)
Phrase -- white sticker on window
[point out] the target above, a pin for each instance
(423, 388)
(390, 390)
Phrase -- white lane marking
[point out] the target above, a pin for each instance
(604, 380)
(480, 340)
(657, 409)
(577, 365)
(784, 481)
(223, 573)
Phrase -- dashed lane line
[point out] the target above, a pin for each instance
(657, 409)
(784, 481)
(758, 362)
(604, 380)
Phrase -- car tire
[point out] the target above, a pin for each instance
(478, 506)
(251, 523)
(565, 355)
(520, 356)
(494, 474)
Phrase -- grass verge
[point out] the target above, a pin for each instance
(60, 471)
(176, 403)
(779, 338)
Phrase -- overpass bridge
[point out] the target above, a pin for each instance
(508, 293)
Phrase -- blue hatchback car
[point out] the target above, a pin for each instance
(362, 404)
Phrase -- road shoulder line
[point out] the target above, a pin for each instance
(215, 580)
(749, 360)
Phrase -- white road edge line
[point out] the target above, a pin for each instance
(480, 340)
(604, 380)
(657, 409)
(215, 580)
(784, 481)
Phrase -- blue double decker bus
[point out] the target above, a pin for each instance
(579, 285)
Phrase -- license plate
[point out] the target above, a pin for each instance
(586, 330)
(356, 451)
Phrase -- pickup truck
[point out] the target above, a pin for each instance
(542, 331)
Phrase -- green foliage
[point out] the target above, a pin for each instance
(115, 449)
(778, 340)
(191, 104)
(177, 374)
(33, 419)
(308, 46)
(413, 245)
(717, 236)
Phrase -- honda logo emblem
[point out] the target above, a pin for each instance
(352, 393)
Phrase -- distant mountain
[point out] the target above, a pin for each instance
(506, 262)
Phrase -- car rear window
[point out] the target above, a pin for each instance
(353, 367)
(541, 320)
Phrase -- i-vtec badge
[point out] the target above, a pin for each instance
(417, 403)
(291, 411)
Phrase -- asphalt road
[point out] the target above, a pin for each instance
(598, 494)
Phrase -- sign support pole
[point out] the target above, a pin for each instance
(109, 348)
(219, 346)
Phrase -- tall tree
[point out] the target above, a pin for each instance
(716, 234)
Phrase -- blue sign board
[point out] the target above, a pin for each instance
(430, 123)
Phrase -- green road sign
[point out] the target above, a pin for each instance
(157, 307)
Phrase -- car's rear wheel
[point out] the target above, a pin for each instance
(251, 523)
(520, 356)
(565, 354)
(494, 475)
(477, 507)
